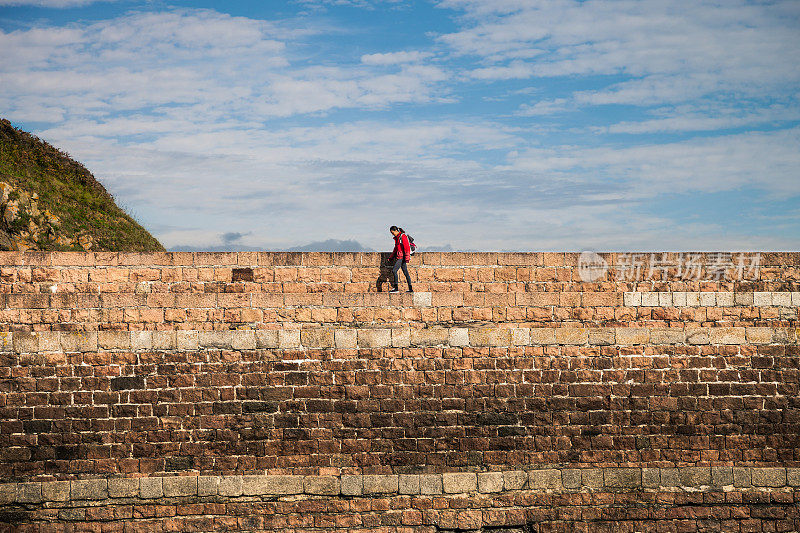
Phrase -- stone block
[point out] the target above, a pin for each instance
(667, 336)
(762, 299)
(695, 476)
(725, 299)
(316, 337)
(401, 337)
(768, 477)
(744, 299)
(141, 340)
(679, 299)
(230, 485)
(8, 493)
(665, 299)
(670, 477)
(489, 337)
(520, 336)
(164, 340)
(602, 336)
(123, 487)
(571, 336)
(546, 478)
(180, 486)
(289, 339)
(381, 484)
(708, 299)
(430, 484)
(721, 476)
(782, 299)
(793, 477)
(758, 335)
(56, 491)
(214, 339)
(7, 342)
(514, 479)
(114, 340)
(435, 336)
(543, 336)
(697, 336)
(726, 335)
(243, 339)
(208, 485)
(150, 488)
(29, 492)
(89, 489)
(421, 299)
(267, 339)
(651, 478)
(795, 297)
(622, 477)
(345, 339)
(650, 299)
(490, 482)
(632, 335)
(49, 341)
(25, 342)
(592, 477)
(352, 485)
(741, 476)
(408, 484)
(632, 299)
(692, 299)
(571, 478)
(376, 338)
(459, 482)
(323, 485)
(186, 340)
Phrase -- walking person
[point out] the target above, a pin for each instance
(401, 256)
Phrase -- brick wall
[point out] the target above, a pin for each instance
(289, 391)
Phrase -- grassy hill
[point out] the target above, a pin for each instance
(50, 202)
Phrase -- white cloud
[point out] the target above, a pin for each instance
(669, 52)
(204, 123)
(206, 64)
(710, 165)
(394, 58)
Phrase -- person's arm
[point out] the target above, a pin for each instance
(406, 246)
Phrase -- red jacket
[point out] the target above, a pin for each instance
(401, 248)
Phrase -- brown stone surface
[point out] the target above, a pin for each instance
(187, 381)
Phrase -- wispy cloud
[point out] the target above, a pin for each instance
(549, 125)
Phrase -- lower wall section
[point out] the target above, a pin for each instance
(541, 499)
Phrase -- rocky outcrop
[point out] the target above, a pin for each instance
(25, 226)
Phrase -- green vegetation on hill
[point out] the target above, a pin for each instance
(50, 202)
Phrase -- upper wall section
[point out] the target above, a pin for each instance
(276, 290)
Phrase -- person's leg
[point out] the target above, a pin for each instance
(397, 264)
(408, 277)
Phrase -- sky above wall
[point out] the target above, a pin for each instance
(641, 125)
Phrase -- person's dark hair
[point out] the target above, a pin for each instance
(395, 228)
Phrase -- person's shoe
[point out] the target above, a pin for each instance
(410, 290)
(394, 290)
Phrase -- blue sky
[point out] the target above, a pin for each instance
(640, 125)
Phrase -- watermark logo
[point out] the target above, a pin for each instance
(639, 266)
(591, 266)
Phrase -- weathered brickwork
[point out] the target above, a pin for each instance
(287, 391)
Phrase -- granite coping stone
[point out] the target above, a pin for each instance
(506, 335)
(549, 479)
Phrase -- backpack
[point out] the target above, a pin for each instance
(412, 247)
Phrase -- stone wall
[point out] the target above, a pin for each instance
(510, 392)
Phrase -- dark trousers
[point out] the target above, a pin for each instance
(398, 264)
